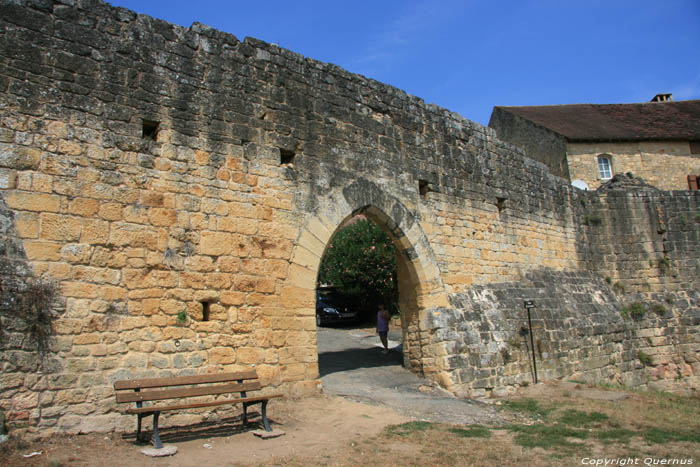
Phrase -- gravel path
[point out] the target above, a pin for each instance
(352, 364)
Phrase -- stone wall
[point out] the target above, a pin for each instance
(665, 165)
(153, 171)
(581, 330)
(538, 142)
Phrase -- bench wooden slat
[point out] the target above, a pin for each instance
(184, 380)
(199, 404)
(154, 395)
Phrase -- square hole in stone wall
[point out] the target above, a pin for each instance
(286, 156)
(206, 308)
(423, 187)
(501, 204)
(150, 130)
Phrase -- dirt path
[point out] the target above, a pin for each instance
(315, 427)
(365, 391)
(352, 365)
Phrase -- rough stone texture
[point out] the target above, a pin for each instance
(259, 154)
(665, 165)
(268, 434)
(165, 451)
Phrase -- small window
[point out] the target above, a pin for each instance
(423, 188)
(694, 182)
(695, 147)
(150, 130)
(205, 311)
(604, 167)
(286, 157)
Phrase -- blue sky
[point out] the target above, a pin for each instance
(469, 56)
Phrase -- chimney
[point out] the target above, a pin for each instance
(663, 97)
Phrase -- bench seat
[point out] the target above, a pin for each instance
(178, 391)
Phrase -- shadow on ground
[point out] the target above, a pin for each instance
(352, 359)
(212, 429)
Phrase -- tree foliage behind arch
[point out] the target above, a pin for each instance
(361, 262)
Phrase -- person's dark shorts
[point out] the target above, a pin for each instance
(383, 333)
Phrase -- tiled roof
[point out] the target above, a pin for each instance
(674, 120)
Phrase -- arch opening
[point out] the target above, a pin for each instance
(404, 333)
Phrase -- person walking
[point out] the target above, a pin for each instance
(383, 317)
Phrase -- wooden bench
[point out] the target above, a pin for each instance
(176, 389)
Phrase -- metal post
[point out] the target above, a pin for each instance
(530, 304)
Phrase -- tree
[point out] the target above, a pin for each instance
(361, 262)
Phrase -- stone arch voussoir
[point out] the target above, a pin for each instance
(365, 197)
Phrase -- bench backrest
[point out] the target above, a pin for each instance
(199, 385)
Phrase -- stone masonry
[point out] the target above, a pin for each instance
(179, 186)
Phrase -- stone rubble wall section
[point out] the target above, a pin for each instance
(579, 332)
(258, 156)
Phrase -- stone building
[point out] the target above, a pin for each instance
(167, 194)
(587, 144)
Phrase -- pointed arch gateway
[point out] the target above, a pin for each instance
(419, 282)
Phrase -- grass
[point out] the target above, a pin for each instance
(615, 435)
(578, 418)
(408, 428)
(473, 431)
(547, 436)
(661, 436)
(529, 406)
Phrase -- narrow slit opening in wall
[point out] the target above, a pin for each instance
(286, 156)
(205, 311)
(423, 188)
(150, 130)
(500, 204)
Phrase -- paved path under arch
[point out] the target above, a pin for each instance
(351, 364)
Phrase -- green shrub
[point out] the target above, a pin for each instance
(636, 311)
(31, 300)
(644, 357)
(659, 309)
(592, 219)
(181, 317)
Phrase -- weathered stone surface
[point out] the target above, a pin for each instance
(165, 451)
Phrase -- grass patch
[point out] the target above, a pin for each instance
(547, 436)
(582, 419)
(529, 406)
(615, 435)
(408, 428)
(661, 436)
(474, 431)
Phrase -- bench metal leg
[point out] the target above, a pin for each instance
(156, 439)
(264, 416)
(245, 413)
(138, 426)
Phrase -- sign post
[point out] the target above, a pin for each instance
(529, 304)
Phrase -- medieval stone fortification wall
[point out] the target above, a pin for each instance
(153, 172)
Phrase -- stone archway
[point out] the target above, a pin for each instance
(420, 285)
